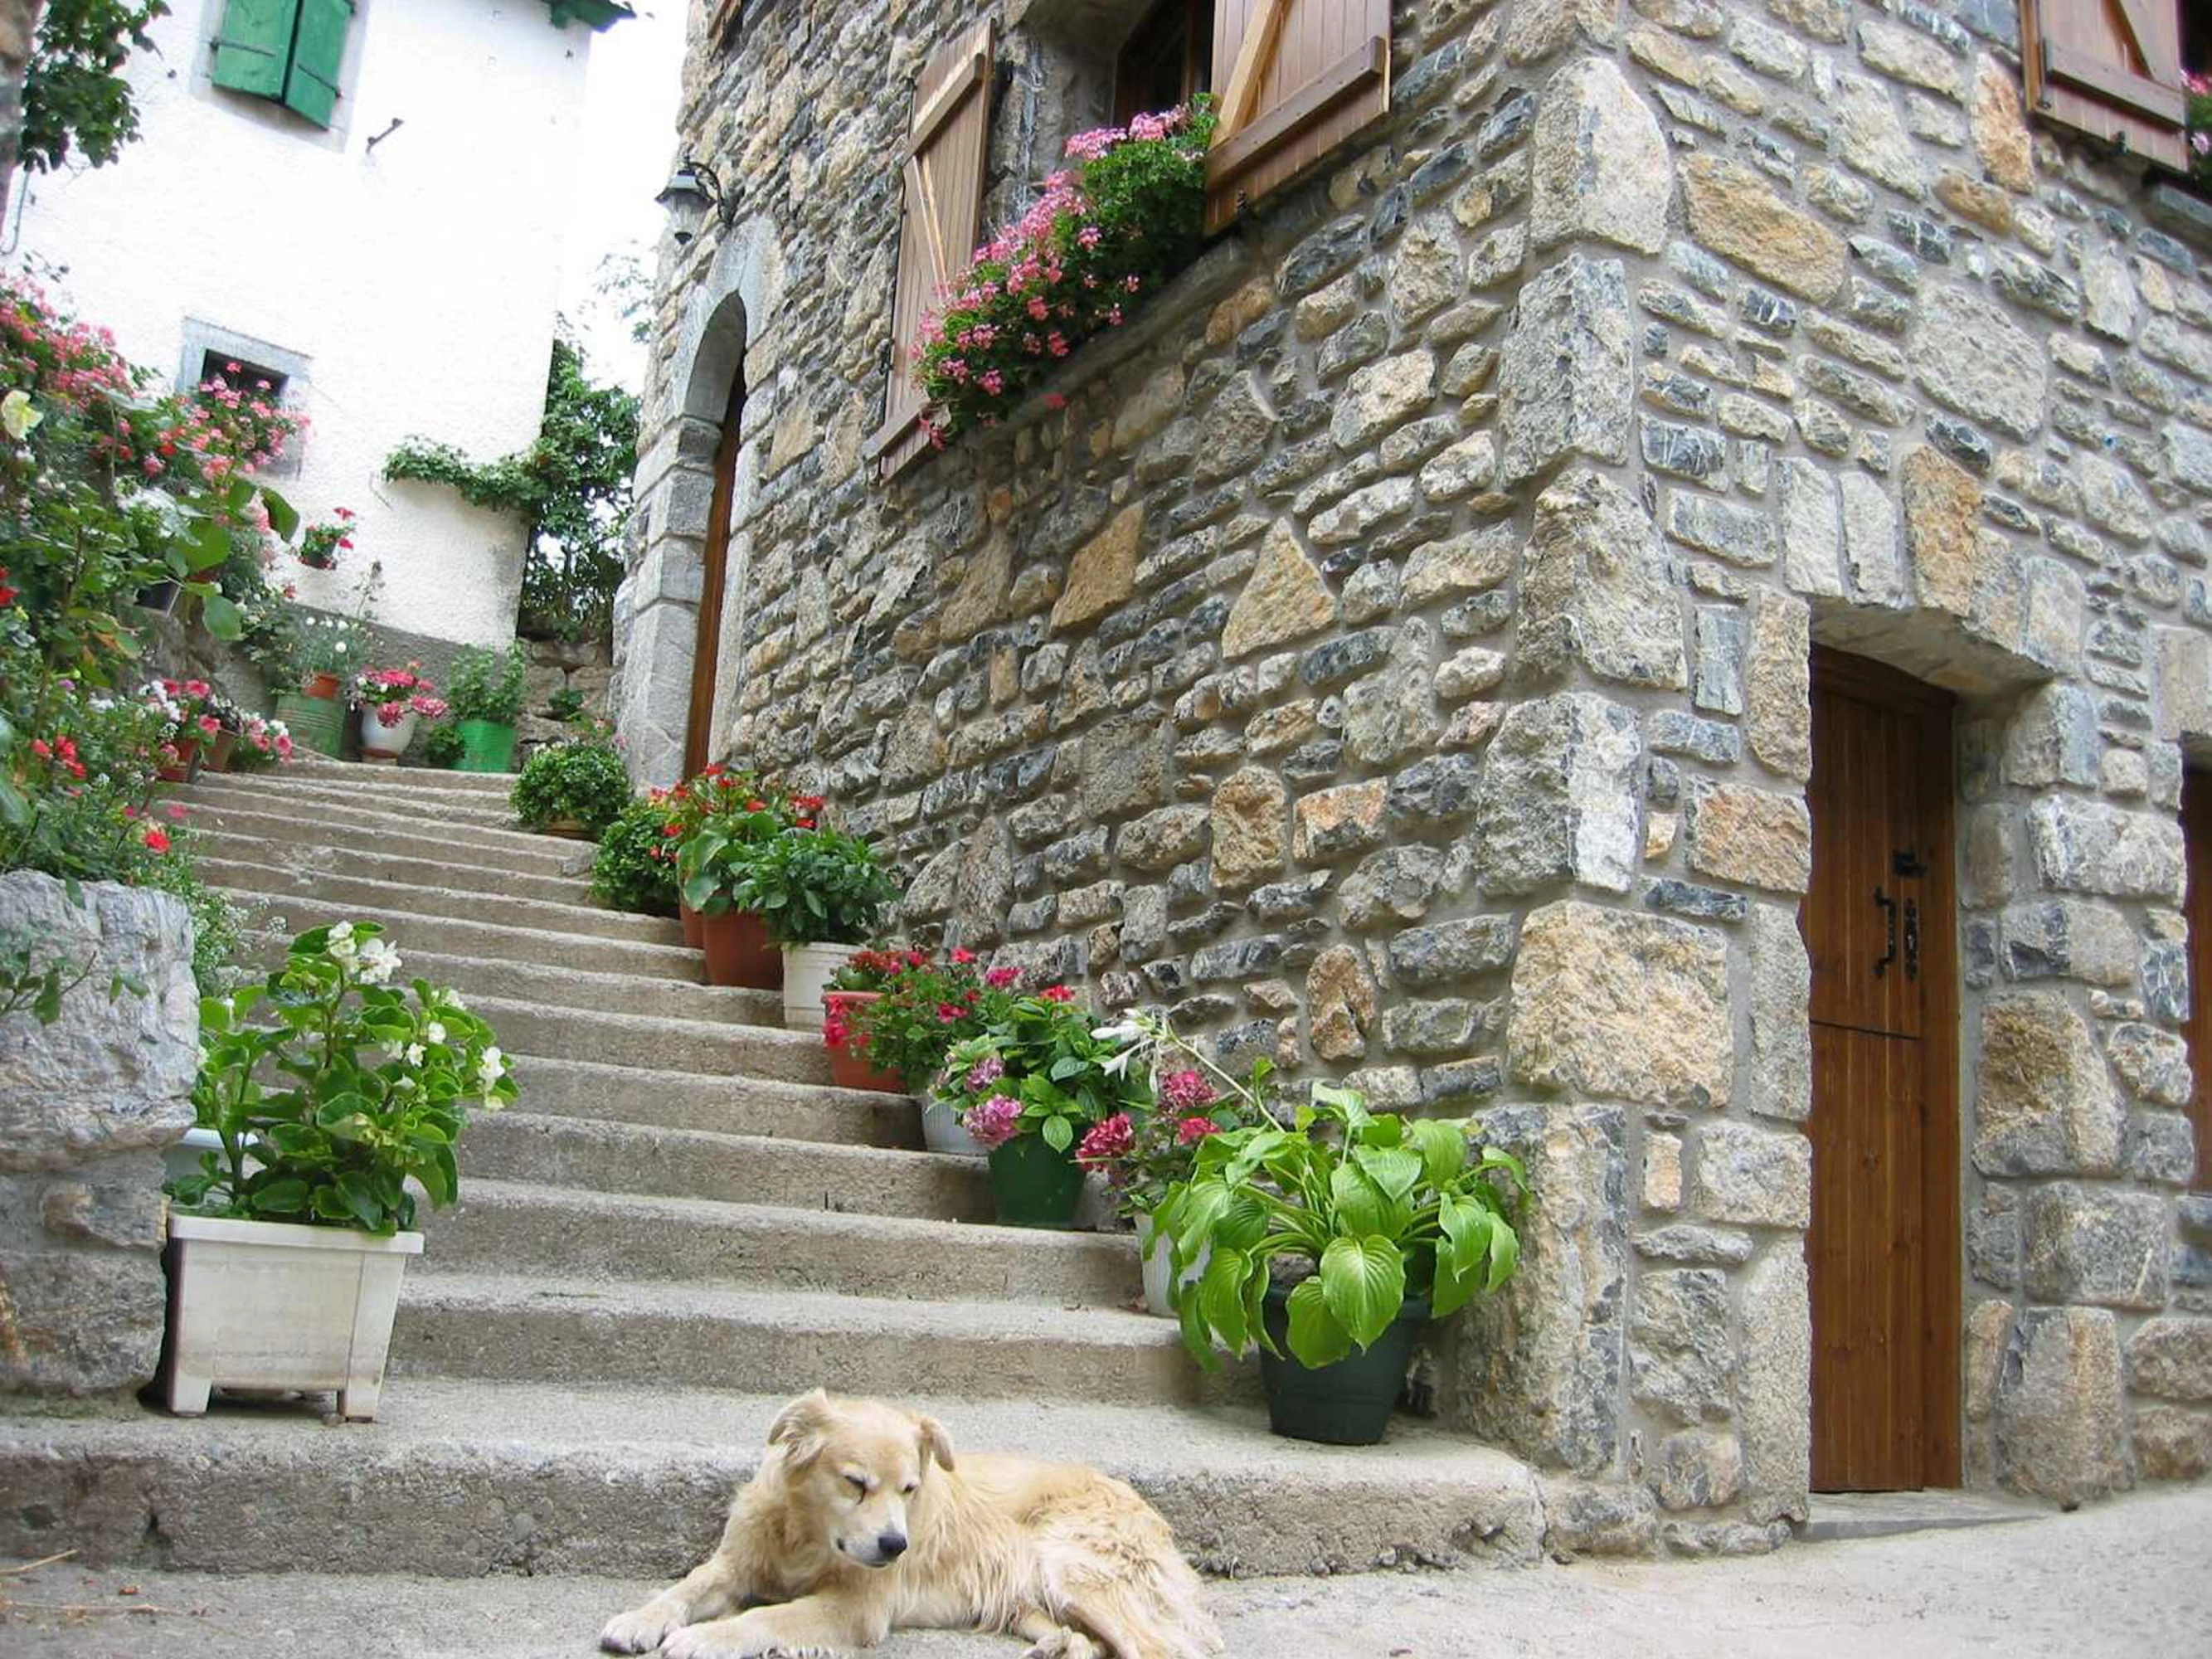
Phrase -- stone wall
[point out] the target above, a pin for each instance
(1393, 660)
(86, 1106)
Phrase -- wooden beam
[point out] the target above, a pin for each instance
(2139, 26)
(2133, 92)
(945, 103)
(1354, 72)
(1253, 53)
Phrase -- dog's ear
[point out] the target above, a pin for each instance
(799, 1426)
(936, 1444)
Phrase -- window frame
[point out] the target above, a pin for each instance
(1195, 21)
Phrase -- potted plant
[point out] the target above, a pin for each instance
(321, 544)
(715, 831)
(820, 892)
(261, 743)
(330, 1092)
(188, 724)
(853, 990)
(901, 1012)
(634, 868)
(390, 700)
(575, 789)
(1334, 1236)
(486, 693)
(330, 648)
(1037, 1081)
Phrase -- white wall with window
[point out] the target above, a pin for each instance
(369, 201)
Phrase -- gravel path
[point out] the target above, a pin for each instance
(2132, 1578)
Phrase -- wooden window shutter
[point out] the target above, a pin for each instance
(943, 171)
(2111, 69)
(254, 49)
(1296, 78)
(318, 53)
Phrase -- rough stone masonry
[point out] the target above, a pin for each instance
(1394, 658)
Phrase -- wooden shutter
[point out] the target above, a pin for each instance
(2111, 69)
(942, 169)
(1298, 78)
(254, 49)
(318, 53)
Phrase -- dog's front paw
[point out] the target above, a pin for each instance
(640, 1632)
(707, 1642)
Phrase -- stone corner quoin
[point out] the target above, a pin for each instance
(1393, 658)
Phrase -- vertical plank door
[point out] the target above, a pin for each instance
(707, 646)
(1877, 922)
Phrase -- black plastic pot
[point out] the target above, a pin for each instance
(1347, 1404)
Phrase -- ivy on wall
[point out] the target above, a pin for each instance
(571, 484)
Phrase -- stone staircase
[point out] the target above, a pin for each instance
(680, 1225)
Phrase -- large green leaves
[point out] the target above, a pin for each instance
(1364, 1282)
(1317, 1336)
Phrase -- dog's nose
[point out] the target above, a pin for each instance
(891, 1545)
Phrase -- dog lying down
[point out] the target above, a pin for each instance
(858, 1522)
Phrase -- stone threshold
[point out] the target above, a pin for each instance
(1836, 1515)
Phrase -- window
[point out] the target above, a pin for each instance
(241, 375)
(1169, 59)
(290, 51)
(242, 362)
(2111, 68)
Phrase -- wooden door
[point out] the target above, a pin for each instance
(707, 649)
(2197, 837)
(1878, 925)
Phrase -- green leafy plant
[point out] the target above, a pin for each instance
(913, 1008)
(218, 923)
(635, 869)
(564, 705)
(718, 818)
(1380, 1208)
(74, 91)
(443, 747)
(1102, 236)
(1040, 1067)
(489, 685)
(586, 781)
(36, 979)
(571, 486)
(331, 1089)
(813, 886)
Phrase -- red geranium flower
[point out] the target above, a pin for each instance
(158, 840)
(1057, 993)
(963, 956)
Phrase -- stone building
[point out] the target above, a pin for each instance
(1654, 592)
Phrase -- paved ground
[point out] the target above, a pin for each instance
(2132, 1578)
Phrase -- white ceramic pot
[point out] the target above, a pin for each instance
(1158, 1256)
(268, 1304)
(807, 971)
(941, 1131)
(385, 742)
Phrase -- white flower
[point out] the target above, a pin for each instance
(414, 1054)
(1128, 1031)
(341, 930)
(17, 418)
(378, 962)
(434, 1032)
(455, 999)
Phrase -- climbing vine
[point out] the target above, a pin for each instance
(73, 86)
(572, 484)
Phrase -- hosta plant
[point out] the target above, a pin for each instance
(1381, 1209)
(330, 1089)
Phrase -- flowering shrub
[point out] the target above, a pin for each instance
(635, 869)
(925, 1006)
(396, 692)
(321, 544)
(1037, 1067)
(261, 742)
(1144, 1154)
(717, 819)
(1103, 235)
(2200, 125)
(587, 781)
(377, 1089)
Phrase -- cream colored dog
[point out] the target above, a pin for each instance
(858, 1523)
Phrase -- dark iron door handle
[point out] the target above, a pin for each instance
(1888, 906)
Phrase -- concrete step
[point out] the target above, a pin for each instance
(528, 1328)
(655, 1043)
(458, 1479)
(314, 768)
(515, 1227)
(306, 864)
(491, 902)
(491, 851)
(816, 1175)
(364, 794)
(444, 936)
(729, 1105)
(554, 984)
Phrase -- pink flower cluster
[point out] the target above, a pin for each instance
(993, 1122)
(1109, 1139)
(1186, 1092)
(984, 1073)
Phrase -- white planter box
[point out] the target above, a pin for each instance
(268, 1304)
(807, 971)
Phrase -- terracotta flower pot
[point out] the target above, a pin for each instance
(320, 685)
(739, 953)
(187, 762)
(695, 925)
(850, 1068)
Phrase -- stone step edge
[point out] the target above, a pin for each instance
(301, 885)
(530, 944)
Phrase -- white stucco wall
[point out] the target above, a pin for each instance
(419, 278)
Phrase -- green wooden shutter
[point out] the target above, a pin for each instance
(317, 50)
(254, 48)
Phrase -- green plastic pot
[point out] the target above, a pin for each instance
(1034, 1186)
(317, 724)
(486, 746)
(1347, 1404)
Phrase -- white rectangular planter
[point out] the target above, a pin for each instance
(807, 971)
(268, 1304)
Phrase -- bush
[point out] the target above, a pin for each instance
(814, 886)
(441, 747)
(489, 685)
(586, 781)
(635, 869)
